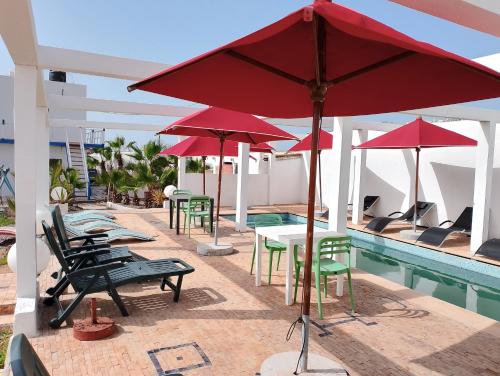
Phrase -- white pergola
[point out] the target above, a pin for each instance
(31, 106)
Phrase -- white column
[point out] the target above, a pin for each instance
(242, 186)
(359, 177)
(42, 168)
(339, 192)
(25, 162)
(482, 184)
(270, 180)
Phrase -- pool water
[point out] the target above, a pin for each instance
(466, 283)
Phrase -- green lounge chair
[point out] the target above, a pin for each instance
(87, 219)
(107, 277)
(111, 235)
(272, 246)
(197, 207)
(324, 265)
(23, 359)
(96, 226)
(86, 213)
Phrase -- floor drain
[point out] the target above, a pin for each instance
(170, 361)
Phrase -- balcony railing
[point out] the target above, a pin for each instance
(94, 136)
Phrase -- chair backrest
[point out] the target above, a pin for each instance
(181, 192)
(464, 221)
(54, 247)
(333, 246)
(24, 361)
(264, 220)
(196, 203)
(369, 201)
(422, 208)
(58, 221)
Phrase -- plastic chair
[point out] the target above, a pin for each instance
(324, 265)
(197, 207)
(272, 246)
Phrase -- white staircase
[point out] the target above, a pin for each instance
(77, 159)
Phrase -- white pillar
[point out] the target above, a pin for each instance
(270, 179)
(181, 169)
(482, 184)
(359, 177)
(42, 168)
(242, 186)
(25, 162)
(339, 191)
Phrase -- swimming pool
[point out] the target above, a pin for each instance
(463, 282)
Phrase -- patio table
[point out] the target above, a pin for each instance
(290, 235)
(178, 200)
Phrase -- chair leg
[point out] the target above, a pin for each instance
(118, 301)
(325, 285)
(177, 293)
(185, 217)
(271, 255)
(189, 227)
(317, 278)
(253, 259)
(57, 321)
(297, 275)
(279, 258)
(351, 295)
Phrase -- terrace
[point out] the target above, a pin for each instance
(416, 313)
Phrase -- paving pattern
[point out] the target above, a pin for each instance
(224, 325)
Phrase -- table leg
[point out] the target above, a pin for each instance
(171, 211)
(289, 275)
(212, 217)
(177, 217)
(258, 260)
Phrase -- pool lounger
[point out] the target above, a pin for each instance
(86, 213)
(96, 226)
(88, 218)
(111, 235)
(379, 224)
(107, 277)
(436, 236)
(490, 248)
(368, 203)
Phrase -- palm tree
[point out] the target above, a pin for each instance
(194, 165)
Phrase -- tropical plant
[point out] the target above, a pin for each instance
(117, 146)
(11, 204)
(157, 198)
(66, 180)
(194, 165)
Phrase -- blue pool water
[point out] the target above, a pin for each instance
(466, 283)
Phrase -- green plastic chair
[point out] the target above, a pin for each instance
(272, 246)
(197, 207)
(324, 265)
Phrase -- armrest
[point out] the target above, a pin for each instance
(89, 236)
(88, 247)
(442, 223)
(396, 212)
(95, 270)
(88, 254)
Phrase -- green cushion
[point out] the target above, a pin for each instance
(275, 246)
(329, 266)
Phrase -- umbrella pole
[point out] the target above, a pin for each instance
(416, 189)
(204, 159)
(219, 184)
(320, 185)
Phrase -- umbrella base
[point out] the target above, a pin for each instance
(282, 364)
(410, 234)
(210, 249)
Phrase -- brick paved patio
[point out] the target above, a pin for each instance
(224, 325)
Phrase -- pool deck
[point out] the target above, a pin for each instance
(236, 325)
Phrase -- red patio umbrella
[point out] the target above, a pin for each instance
(324, 60)
(417, 135)
(204, 146)
(226, 125)
(325, 143)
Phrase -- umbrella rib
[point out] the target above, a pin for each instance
(371, 67)
(266, 67)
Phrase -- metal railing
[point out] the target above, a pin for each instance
(94, 136)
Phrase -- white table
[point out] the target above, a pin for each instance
(290, 235)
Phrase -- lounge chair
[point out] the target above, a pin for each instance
(96, 226)
(490, 248)
(87, 219)
(379, 224)
(436, 236)
(107, 277)
(87, 213)
(23, 359)
(112, 235)
(368, 203)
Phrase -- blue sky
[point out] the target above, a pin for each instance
(174, 30)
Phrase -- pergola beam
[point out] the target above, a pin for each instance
(70, 123)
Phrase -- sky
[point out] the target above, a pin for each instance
(175, 30)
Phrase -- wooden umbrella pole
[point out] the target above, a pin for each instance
(318, 93)
(320, 185)
(219, 184)
(417, 167)
(204, 159)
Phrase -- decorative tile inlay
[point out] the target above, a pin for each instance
(178, 358)
(324, 327)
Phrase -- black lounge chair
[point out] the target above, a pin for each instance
(379, 224)
(107, 277)
(436, 236)
(24, 361)
(490, 248)
(368, 202)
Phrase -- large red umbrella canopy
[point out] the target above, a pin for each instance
(370, 68)
(227, 124)
(325, 142)
(195, 146)
(417, 135)
(324, 60)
